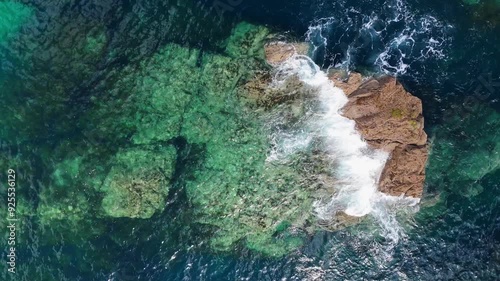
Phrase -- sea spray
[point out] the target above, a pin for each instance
(387, 41)
(355, 165)
(358, 167)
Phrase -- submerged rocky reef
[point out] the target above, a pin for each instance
(140, 122)
(125, 143)
(386, 117)
(169, 140)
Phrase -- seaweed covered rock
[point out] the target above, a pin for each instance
(144, 104)
(137, 184)
(248, 200)
(184, 93)
(235, 191)
(89, 185)
(246, 41)
(177, 88)
(277, 52)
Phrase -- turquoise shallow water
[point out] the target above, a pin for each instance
(80, 79)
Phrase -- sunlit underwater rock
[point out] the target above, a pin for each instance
(235, 190)
(246, 41)
(125, 162)
(84, 190)
(244, 201)
(156, 100)
(138, 182)
(147, 102)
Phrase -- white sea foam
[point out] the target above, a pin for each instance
(356, 166)
(391, 41)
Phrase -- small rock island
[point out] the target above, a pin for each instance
(387, 117)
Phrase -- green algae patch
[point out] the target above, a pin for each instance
(95, 42)
(12, 16)
(138, 183)
(414, 124)
(245, 199)
(146, 104)
(246, 40)
(126, 162)
(397, 113)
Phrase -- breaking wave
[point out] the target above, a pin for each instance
(356, 166)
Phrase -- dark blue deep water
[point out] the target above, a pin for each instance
(447, 53)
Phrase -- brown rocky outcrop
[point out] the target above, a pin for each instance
(278, 52)
(386, 115)
(389, 118)
(257, 91)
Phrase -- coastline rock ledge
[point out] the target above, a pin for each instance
(386, 116)
(389, 118)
